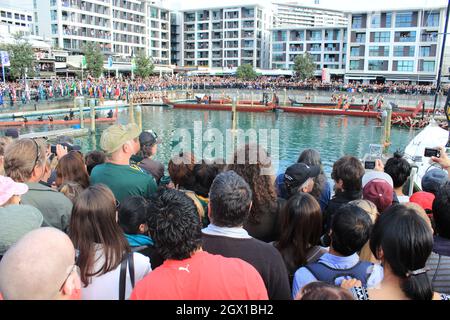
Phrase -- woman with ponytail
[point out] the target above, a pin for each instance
(402, 241)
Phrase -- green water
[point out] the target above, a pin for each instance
(332, 136)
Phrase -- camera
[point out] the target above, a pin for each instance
(430, 152)
(69, 146)
(370, 165)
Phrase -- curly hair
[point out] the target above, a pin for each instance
(174, 224)
(263, 187)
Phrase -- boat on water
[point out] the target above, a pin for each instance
(431, 136)
(21, 123)
(221, 105)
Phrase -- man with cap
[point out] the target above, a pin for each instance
(378, 187)
(299, 178)
(149, 141)
(12, 132)
(433, 180)
(120, 142)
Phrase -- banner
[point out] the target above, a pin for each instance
(5, 59)
(326, 77)
(110, 62)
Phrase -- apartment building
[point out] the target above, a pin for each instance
(395, 45)
(18, 18)
(225, 37)
(121, 28)
(299, 15)
(326, 45)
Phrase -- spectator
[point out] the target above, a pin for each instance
(439, 260)
(15, 219)
(25, 161)
(347, 175)
(71, 167)
(443, 160)
(378, 188)
(433, 180)
(424, 200)
(133, 219)
(93, 159)
(350, 230)
(301, 222)
(13, 133)
(71, 190)
(120, 143)
(4, 142)
(181, 171)
(101, 245)
(299, 178)
(402, 241)
(40, 266)
(399, 169)
(189, 273)
(319, 290)
(253, 164)
(230, 199)
(149, 146)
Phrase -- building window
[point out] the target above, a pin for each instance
(378, 51)
(16, 16)
(279, 36)
(316, 35)
(431, 19)
(428, 66)
(404, 51)
(54, 29)
(381, 36)
(388, 20)
(377, 65)
(405, 36)
(360, 38)
(277, 47)
(404, 20)
(354, 65)
(3, 14)
(357, 22)
(376, 20)
(425, 51)
(354, 52)
(405, 65)
(278, 57)
(154, 12)
(29, 18)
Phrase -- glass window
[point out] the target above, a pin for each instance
(428, 66)
(404, 51)
(154, 12)
(279, 35)
(381, 36)
(54, 29)
(425, 51)
(388, 20)
(378, 51)
(406, 36)
(354, 65)
(360, 37)
(377, 65)
(354, 51)
(278, 47)
(432, 19)
(357, 22)
(278, 57)
(316, 35)
(405, 65)
(404, 19)
(376, 20)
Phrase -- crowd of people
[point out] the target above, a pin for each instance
(115, 224)
(20, 93)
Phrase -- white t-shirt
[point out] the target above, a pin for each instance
(403, 199)
(106, 286)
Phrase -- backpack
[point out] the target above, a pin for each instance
(360, 271)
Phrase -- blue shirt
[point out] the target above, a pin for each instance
(302, 276)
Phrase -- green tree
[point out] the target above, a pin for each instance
(94, 59)
(304, 66)
(144, 65)
(246, 72)
(21, 56)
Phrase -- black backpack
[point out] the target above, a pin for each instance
(360, 271)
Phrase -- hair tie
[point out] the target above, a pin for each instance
(417, 272)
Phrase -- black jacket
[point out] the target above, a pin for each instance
(339, 199)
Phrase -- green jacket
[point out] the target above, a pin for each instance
(55, 207)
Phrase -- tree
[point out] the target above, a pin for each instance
(21, 56)
(246, 72)
(304, 66)
(94, 59)
(144, 65)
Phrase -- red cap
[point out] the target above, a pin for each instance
(423, 199)
(380, 192)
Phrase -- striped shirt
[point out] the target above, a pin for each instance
(439, 273)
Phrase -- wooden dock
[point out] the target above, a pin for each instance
(56, 133)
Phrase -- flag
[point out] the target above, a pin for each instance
(133, 64)
(5, 59)
(110, 62)
(83, 62)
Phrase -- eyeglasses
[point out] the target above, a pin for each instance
(117, 204)
(38, 153)
(72, 268)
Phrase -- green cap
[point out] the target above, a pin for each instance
(116, 135)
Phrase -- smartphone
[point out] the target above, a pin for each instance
(429, 152)
(370, 165)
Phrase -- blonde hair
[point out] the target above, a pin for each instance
(4, 142)
(22, 156)
(371, 209)
(420, 211)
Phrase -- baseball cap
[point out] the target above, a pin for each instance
(423, 199)
(298, 173)
(433, 179)
(378, 187)
(9, 188)
(148, 137)
(116, 135)
(12, 132)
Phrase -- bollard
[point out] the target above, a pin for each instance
(79, 102)
(92, 106)
(233, 115)
(251, 97)
(139, 117)
(387, 128)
